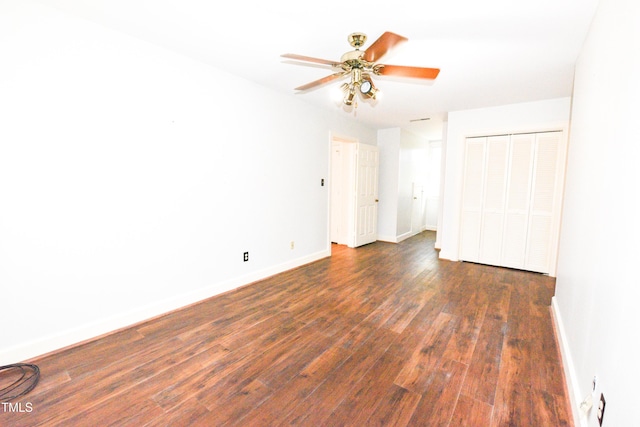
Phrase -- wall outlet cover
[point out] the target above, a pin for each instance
(601, 405)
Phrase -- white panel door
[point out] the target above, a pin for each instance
(514, 241)
(472, 195)
(366, 209)
(543, 194)
(493, 200)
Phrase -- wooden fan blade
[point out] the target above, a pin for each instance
(310, 59)
(322, 81)
(383, 45)
(404, 71)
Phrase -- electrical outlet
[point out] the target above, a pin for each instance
(601, 406)
(245, 256)
(292, 245)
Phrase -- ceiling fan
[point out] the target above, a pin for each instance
(360, 65)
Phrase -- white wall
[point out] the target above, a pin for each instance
(597, 287)
(132, 179)
(389, 172)
(414, 161)
(403, 161)
(432, 185)
(523, 117)
(443, 170)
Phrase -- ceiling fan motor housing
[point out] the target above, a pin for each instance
(353, 58)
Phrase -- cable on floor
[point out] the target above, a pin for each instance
(29, 376)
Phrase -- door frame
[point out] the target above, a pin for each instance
(342, 205)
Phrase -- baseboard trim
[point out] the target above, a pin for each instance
(405, 236)
(448, 256)
(89, 332)
(388, 239)
(571, 378)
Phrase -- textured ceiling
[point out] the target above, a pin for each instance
(490, 53)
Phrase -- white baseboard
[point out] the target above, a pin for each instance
(400, 238)
(405, 236)
(395, 239)
(448, 256)
(74, 336)
(573, 387)
(389, 239)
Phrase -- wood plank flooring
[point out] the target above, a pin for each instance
(385, 334)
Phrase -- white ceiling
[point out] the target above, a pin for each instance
(490, 52)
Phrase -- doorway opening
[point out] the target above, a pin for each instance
(354, 192)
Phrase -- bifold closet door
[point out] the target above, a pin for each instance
(543, 212)
(514, 238)
(493, 199)
(471, 216)
(486, 163)
(508, 205)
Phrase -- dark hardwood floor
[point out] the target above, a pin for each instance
(385, 334)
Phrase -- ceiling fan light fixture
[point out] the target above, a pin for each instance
(373, 93)
(337, 93)
(367, 88)
(351, 94)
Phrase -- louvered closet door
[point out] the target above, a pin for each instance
(509, 217)
(472, 196)
(518, 200)
(541, 215)
(493, 200)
